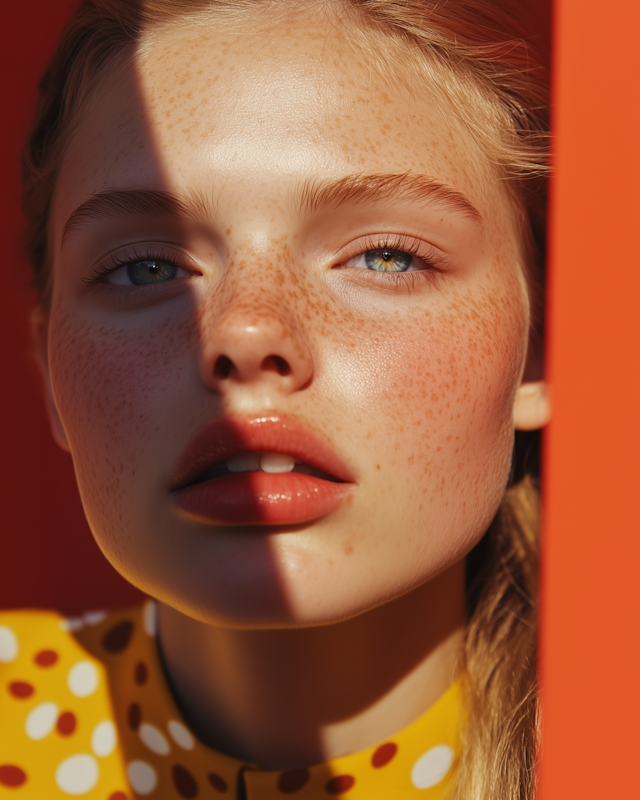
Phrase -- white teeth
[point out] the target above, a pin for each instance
(277, 462)
(244, 462)
(267, 462)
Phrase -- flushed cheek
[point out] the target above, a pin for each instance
(435, 396)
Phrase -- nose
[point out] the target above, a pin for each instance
(256, 348)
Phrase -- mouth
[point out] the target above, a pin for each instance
(270, 463)
(268, 470)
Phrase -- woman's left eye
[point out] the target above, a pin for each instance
(145, 272)
(387, 259)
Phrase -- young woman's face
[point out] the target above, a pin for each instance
(338, 280)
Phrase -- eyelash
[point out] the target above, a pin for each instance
(114, 263)
(436, 263)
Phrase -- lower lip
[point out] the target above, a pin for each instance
(261, 498)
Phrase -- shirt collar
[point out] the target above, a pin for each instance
(152, 733)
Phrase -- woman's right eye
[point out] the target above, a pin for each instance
(145, 272)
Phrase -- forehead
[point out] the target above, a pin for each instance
(225, 106)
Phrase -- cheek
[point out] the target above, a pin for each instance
(115, 389)
(436, 394)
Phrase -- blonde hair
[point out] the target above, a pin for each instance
(476, 54)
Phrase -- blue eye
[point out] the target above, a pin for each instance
(152, 271)
(139, 268)
(387, 260)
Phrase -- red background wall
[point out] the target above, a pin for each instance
(47, 555)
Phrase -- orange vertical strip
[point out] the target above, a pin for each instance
(590, 646)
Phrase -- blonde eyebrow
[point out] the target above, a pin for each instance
(315, 195)
(118, 203)
(312, 196)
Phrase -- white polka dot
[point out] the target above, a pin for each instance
(154, 740)
(94, 617)
(103, 738)
(150, 615)
(71, 624)
(82, 679)
(142, 777)
(180, 735)
(41, 721)
(8, 644)
(431, 768)
(77, 774)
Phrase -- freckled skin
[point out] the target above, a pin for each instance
(414, 390)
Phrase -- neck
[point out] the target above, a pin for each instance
(289, 698)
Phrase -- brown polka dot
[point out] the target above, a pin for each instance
(184, 781)
(340, 784)
(46, 658)
(21, 689)
(293, 780)
(218, 783)
(12, 776)
(140, 673)
(67, 723)
(384, 754)
(117, 638)
(118, 796)
(134, 716)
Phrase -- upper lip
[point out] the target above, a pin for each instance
(264, 433)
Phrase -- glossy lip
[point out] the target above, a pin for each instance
(259, 498)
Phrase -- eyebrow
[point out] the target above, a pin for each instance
(311, 196)
(118, 203)
(407, 186)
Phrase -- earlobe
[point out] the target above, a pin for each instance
(532, 408)
(39, 338)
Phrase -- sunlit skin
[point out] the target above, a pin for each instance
(289, 645)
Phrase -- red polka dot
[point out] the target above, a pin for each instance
(218, 783)
(340, 784)
(118, 796)
(184, 781)
(46, 658)
(21, 689)
(67, 723)
(140, 674)
(117, 638)
(384, 754)
(12, 776)
(134, 716)
(293, 780)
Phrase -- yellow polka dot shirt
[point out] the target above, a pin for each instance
(85, 711)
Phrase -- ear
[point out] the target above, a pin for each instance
(39, 338)
(532, 408)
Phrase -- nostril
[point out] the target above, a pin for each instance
(222, 367)
(281, 365)
(241, 370)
